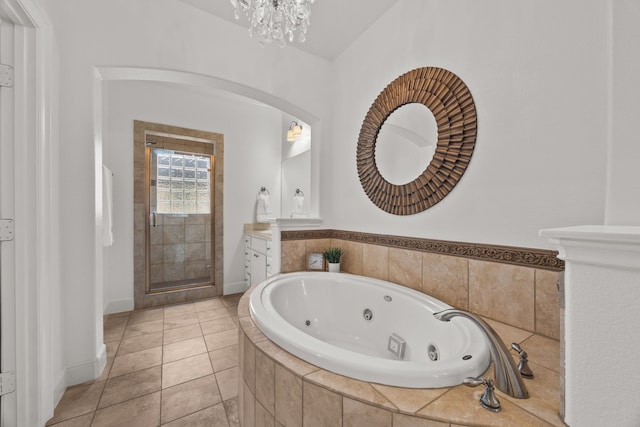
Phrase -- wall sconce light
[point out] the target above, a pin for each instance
(295, 130)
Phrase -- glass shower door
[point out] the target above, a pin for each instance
(179, 220)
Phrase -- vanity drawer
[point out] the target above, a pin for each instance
(259, 245)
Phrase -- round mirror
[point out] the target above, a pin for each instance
(406, 143)
(450, 101)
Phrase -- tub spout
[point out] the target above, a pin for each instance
(508, 379)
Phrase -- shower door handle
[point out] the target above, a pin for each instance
(153, 218)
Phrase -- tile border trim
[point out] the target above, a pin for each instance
(525, 257)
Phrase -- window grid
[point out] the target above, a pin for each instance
(183, 183)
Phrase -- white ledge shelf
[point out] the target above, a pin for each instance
(606, 245)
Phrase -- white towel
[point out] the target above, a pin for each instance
(263, 208)
(107, 206)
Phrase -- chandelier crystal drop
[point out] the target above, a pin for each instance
(275, 20)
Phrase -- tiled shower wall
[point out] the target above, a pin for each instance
(522, 296)
(180, 247)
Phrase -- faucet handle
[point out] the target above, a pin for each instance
(523, 365)
(488, 400)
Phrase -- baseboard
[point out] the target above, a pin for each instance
(118, 306)
(88, 371)
(233, 288)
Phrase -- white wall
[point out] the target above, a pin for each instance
(252, 144)
(623, 190)
(537, 72)
(157, 34)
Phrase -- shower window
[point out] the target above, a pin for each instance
(183, 182)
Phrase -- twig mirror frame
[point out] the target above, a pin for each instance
(451, 103)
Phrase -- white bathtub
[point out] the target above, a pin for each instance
(320, 318)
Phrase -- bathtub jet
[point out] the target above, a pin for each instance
(323, 319)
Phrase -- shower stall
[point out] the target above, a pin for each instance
(179, 206)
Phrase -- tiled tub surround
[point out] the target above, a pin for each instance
(520, 291)
(276, 388)
(514, 289)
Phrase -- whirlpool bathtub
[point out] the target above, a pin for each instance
(368, 329)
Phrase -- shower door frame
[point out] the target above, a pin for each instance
(143, 298)
(179, 150)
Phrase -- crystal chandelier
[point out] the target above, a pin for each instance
(275, 20)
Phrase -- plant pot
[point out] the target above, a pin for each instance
(334, 267)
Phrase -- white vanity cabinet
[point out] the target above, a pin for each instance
(258, 259)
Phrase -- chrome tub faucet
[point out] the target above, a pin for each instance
(508, 379)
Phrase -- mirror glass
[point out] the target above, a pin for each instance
(296, 170)
(406, 143)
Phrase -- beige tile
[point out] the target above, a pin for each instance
(143, 328)
(507, 333)
(293, 256)
(349, 387)
(221, 339)
(216, 313)
(317, 245)
(543, 351)
(114, 322)
(183, 349)
(217, 325)
(127, 387)
(320, 407)
(359, 414)
(224, 358)
(113, 333)
(228, 383)
(243, 307)
(288, 397)
(182, 333)
(461, 405)
(76, 401)
(208, 304)
(232, 310)
(213, 416)
(136, 361)
(81, 421)
(248, 418)
(140, 412)
(181, 320)
(405, 268)
(263, 417)
(446, 278)
(112, 348)
(401, 420)
(375, 261)
(139, 342)
(185, 370)
(409, 399)
(231, 409)
(547, 304)
(502, 292)
(265, 381)
(232, 299)
(351, 261)
(251, 330)
(178, 310)
(284, 358)
(544, 395)
(147, 315)
(107, 369)
(189, 397)
(249, 364)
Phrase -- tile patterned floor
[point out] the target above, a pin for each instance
(172, 366)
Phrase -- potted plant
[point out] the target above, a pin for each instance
(333, 255)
